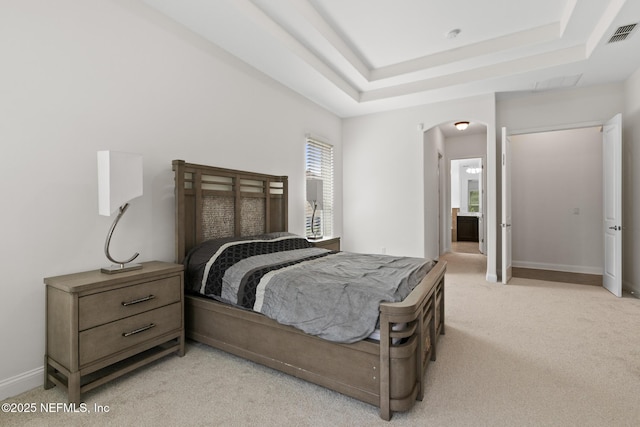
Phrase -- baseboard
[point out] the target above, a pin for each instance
(20, 383)
(558, 267)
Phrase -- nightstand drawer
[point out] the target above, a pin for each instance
(113, 337)
(104, 307)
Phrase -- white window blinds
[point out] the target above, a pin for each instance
(319, 166)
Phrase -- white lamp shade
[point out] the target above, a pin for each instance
(119, 180)
(314, 191)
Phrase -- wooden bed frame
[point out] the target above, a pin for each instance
(213, 202)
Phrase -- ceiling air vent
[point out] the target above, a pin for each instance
(622, 33)
(557, 83)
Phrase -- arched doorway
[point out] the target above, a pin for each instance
(443, 143)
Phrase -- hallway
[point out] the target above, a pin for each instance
(465, 247)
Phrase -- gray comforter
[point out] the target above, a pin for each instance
(333, 295)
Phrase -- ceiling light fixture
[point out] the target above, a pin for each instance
(461, 125)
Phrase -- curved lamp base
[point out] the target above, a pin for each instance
(314, 232)
(119, 266)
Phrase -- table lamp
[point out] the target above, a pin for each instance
(314, 196)
(119, 181)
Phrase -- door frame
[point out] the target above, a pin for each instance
(560, 127)
(483, 201)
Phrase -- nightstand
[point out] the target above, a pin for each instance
(101, 326)
(331, 243)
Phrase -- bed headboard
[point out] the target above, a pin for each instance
(214, 202)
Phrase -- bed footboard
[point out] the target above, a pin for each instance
(351, 369)
(388, 374)
(418, 320)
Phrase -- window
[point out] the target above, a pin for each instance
(474, 196)
(319, 166)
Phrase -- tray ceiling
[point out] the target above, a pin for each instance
(356, 57)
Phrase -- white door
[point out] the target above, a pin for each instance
(481, 242)
(440, 203)
(506, 207)
(612, 195)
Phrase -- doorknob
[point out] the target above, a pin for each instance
(615, 227)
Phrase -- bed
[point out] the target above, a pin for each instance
(386, 369)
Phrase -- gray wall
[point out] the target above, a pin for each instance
(556, 194)
(78, 77)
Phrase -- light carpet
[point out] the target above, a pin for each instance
(531, 353)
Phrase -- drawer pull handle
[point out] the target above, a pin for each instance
(138, 301)
(137, 331)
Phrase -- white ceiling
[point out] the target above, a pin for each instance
(356, 57)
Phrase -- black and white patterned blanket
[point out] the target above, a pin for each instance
(333, 295)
